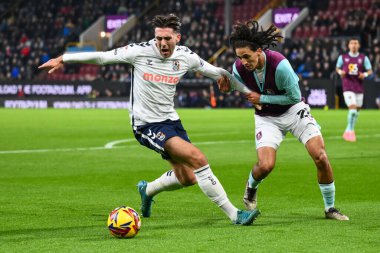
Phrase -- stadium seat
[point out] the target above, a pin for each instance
(357, 4)
(366, 4)
(348, 4)
(340, 5)
(323, 31)
(315, 31)
(306, 31)
(332, 5)
(298, 33)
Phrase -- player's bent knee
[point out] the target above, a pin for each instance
(187, 180)
(197, 159)
(265, 167)
(321, 158)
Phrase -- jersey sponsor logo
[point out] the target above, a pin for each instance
(160, 78)
(353, 69)
(176, 65)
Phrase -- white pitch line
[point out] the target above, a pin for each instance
(50, 150)
(111, 145)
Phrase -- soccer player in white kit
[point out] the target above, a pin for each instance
(158, 65)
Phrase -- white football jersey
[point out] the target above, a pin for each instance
(154, 78)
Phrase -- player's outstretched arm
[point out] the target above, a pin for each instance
(226, 81)
(53, 64)
(118, 55)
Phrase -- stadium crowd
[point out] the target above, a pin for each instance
(322, 36)
(31, 32)
(34, 31)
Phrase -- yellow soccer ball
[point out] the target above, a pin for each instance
(124, 222)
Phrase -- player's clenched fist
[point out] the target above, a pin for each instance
(224, 84)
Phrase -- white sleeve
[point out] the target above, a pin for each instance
(118, 55)
(215, 73)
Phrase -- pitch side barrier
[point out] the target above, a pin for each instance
(327, 93)
(320, 93)
(79, 94)
(63, 94)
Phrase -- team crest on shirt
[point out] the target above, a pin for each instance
(259, 135)
(176, 65)
(360, 61)
(161, 136)
(270, 92)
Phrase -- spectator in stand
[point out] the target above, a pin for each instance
(306, 69)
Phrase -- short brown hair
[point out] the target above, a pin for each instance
(167, 21)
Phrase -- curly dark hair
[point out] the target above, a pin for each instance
(167, 21)
(253, 36)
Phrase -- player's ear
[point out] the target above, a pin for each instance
(178, 37)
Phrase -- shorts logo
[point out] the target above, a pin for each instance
(176, 65)
(151, 135)
(259, 135)
(161, 136)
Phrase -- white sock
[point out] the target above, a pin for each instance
(167, 182)
(211, 186)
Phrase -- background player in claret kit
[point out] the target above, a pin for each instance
(158, 66)
(353, 67)
(275, 90)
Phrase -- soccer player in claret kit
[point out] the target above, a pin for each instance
(353, 67)
(279, 109)
(158, 65)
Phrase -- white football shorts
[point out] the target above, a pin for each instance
(270, 131)
(352, 98)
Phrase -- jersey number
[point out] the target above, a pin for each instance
(303, 113)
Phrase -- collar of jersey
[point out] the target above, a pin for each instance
(353, 55)
(261, 84)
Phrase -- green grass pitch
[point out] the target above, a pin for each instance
(58, 183)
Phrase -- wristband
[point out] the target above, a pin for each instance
(365, 74)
